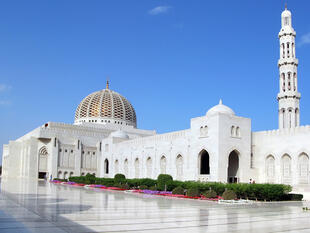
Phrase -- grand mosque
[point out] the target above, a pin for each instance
(218, 146)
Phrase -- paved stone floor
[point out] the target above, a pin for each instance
(43, 207)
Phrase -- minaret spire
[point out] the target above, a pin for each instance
(285, 6)
(288, 96)
(107, 86)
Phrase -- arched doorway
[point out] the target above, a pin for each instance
(204, 163)
(106, 166)
(233, 167)
(42, 163)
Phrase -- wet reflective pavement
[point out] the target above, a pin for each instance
(32, 206)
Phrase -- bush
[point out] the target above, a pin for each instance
(154, 188)
(62, 180)
(178, 191)
(193, 192)
(143, 187)
(119, 178)
(174, 184)
(210, 194)
(292, 197)
(229, 195)
(163, 180)
(148, 182)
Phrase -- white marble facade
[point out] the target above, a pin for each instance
(219, 146)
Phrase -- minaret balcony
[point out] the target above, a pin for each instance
(289, 94)
(288, 61)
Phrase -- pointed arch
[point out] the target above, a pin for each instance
(204, 162)
(163, 165)
(270, 169)
(233, 167)
(179, 167)
(303, 168)
(126, 167)
(116, 167)
(286, 169)
(137, 168)
(106, 166)
(43, 160)
(149, 167)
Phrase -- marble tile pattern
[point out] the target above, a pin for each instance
(32, 206)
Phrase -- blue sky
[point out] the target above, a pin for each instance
(172, 60)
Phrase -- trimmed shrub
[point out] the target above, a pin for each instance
(178, 191)
(62, 180)
(173, 184)
(229, 195)
(148, 182)
(210, 194)
(292, 197)
(119, 178)
(143, 187)
(193, 192)
(163, 180)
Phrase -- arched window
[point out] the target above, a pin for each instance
(126, 167)
(163, 162)
(106, 166)
(283, 81)
(232, 131)
(137, 168)
(286, 169)
(289, 81)
(283, 51)
(293, 48)
(238, 131)
(270, 169)
(296, 117)
(288, 49)
(59, 175)
(179, 166)
(233, 167)
(116, 167)
(71, 174)
(43, 159)
(303, 169)
(149, 167)
(204, 163)
(295, 81)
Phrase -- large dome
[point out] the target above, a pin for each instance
(105, 107)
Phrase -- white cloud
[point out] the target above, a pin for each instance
(4, 87)
(305, 39)
(159, 10)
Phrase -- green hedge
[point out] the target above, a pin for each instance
(267, 192)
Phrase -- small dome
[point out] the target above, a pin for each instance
(119, 134)
(286, 13)
(220, 109)
(104, 107)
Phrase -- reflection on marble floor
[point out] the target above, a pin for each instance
(32, 206)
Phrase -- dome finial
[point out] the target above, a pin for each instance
(285, 6)
(107, 87)
(221, 102)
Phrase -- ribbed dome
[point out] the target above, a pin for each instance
(105, 106)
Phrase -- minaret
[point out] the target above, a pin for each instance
(288, 96)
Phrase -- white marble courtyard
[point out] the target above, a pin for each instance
(44, 207)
